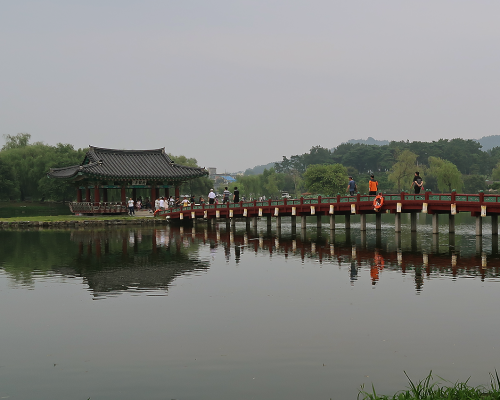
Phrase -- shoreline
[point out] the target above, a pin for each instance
(76, 221)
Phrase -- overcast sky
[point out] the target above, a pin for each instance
(237, 83)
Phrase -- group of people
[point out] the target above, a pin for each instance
(226, 194)
(352, 188)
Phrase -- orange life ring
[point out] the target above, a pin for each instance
(378, 202)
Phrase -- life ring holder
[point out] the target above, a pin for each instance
(378, 202)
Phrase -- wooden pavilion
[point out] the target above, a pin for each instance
(111, 169)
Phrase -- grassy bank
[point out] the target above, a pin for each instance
(10, 209)
(431, 389)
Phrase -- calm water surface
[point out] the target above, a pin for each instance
(214, 313)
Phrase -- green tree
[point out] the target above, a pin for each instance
(447, 174)
(325, 179)
(197, 187)
(474, 183)
(16, 141)
(404, 169)
(7, 185)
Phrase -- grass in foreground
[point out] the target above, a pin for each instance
(426, 389)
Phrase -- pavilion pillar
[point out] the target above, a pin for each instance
(105, 195)
(177, 192)
(87, 194)
(78, 195)
(97, 197)
(124, 194)
(153, 194)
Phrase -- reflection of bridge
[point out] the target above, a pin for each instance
(151, 259)
(478, 205)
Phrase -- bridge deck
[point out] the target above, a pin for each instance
(477, 204)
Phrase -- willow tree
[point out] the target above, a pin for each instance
(404, 169)
(447, 174)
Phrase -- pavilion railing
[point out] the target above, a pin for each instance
(101, 208)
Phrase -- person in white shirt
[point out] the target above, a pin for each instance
(131, 210)
(211, 197)
(157, 204)
(162, 203)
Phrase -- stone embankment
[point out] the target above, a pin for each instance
(81, 223)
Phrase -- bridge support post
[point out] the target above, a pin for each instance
(413, 222)
(247, 223)
(348, 221)
(303, 222)
(293, 222)
(494, 224)
(362, 222)
(233, 222)
(269, 222)
(318, 221)
(451, 224)
(332, 222)
(228, 223)
(378, 221)
(479, 225)
(278, 222)
(397, 222)
(435, 223)
(254, 222)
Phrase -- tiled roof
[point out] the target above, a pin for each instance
(128, 164)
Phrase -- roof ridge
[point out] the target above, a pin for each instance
(106, 150)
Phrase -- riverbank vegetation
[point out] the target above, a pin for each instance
(429, 389)
(444, 165)
(24, 167)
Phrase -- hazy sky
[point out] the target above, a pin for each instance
(237, 83)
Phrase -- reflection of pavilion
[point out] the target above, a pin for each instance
(117, 260)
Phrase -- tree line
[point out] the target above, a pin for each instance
(444, 165)
(24, 167)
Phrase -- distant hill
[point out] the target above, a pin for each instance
(488, 142)
(259, 169)
(370, 140)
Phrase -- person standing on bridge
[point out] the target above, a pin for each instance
(211, 197)
(351, 187)
(236, 195)
(418, 183)
(226, 194)
(372, 185)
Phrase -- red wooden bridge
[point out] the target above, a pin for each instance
(478, 205)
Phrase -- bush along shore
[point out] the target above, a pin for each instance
(77, 221)
(426, 389)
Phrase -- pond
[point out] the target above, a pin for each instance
(214, 313)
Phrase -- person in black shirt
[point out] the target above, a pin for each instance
(236, 195)
(418, 183)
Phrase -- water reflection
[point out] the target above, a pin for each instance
(113, 261)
